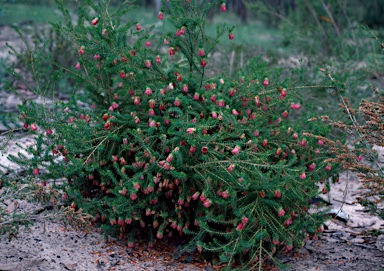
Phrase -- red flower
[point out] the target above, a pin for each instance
(277, 194)
(133, 196)
(81, 50)
(191, 130)
(36, 171)
(148, 91)
(240, 227)
(182, 30)
(177, 102)
(171, 51)
(148, 64)
(207, 203)
(204, 149)
(95, 21)
(225, 194)
(152, 103)
(312, 167)
(33, 127)
(245, 220)
(223, 7)
(285, 114)
(281, 212)
(257, 101)
(195, 196)
(236, 150)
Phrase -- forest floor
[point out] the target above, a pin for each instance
(353, 239)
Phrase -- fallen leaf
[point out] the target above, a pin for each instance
(70, 266)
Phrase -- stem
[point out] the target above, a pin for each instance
(333, 22)
(318, 23)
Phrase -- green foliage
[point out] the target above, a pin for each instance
(152, 139)
(26, 13)
(329, 27)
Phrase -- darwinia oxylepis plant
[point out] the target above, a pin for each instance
(152, 141)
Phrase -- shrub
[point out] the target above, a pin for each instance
(153, 141)
(364, 127)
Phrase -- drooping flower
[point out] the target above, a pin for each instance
(191, 130)
(265, 82)
(236, 150)
(36, 171)
(81, 50)
(312, 167)
(195, 196)
(240, 227)
(148, 64)
(277, 193)
(33, 127)
(95, 21)
(223, 7)
(231, 167)
(148, 91)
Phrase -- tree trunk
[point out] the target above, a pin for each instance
(242, 11)
(157, 6)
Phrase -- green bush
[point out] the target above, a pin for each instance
(153, 141)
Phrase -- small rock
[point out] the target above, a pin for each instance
(70, 266)
(358, 240)
(380, 242)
